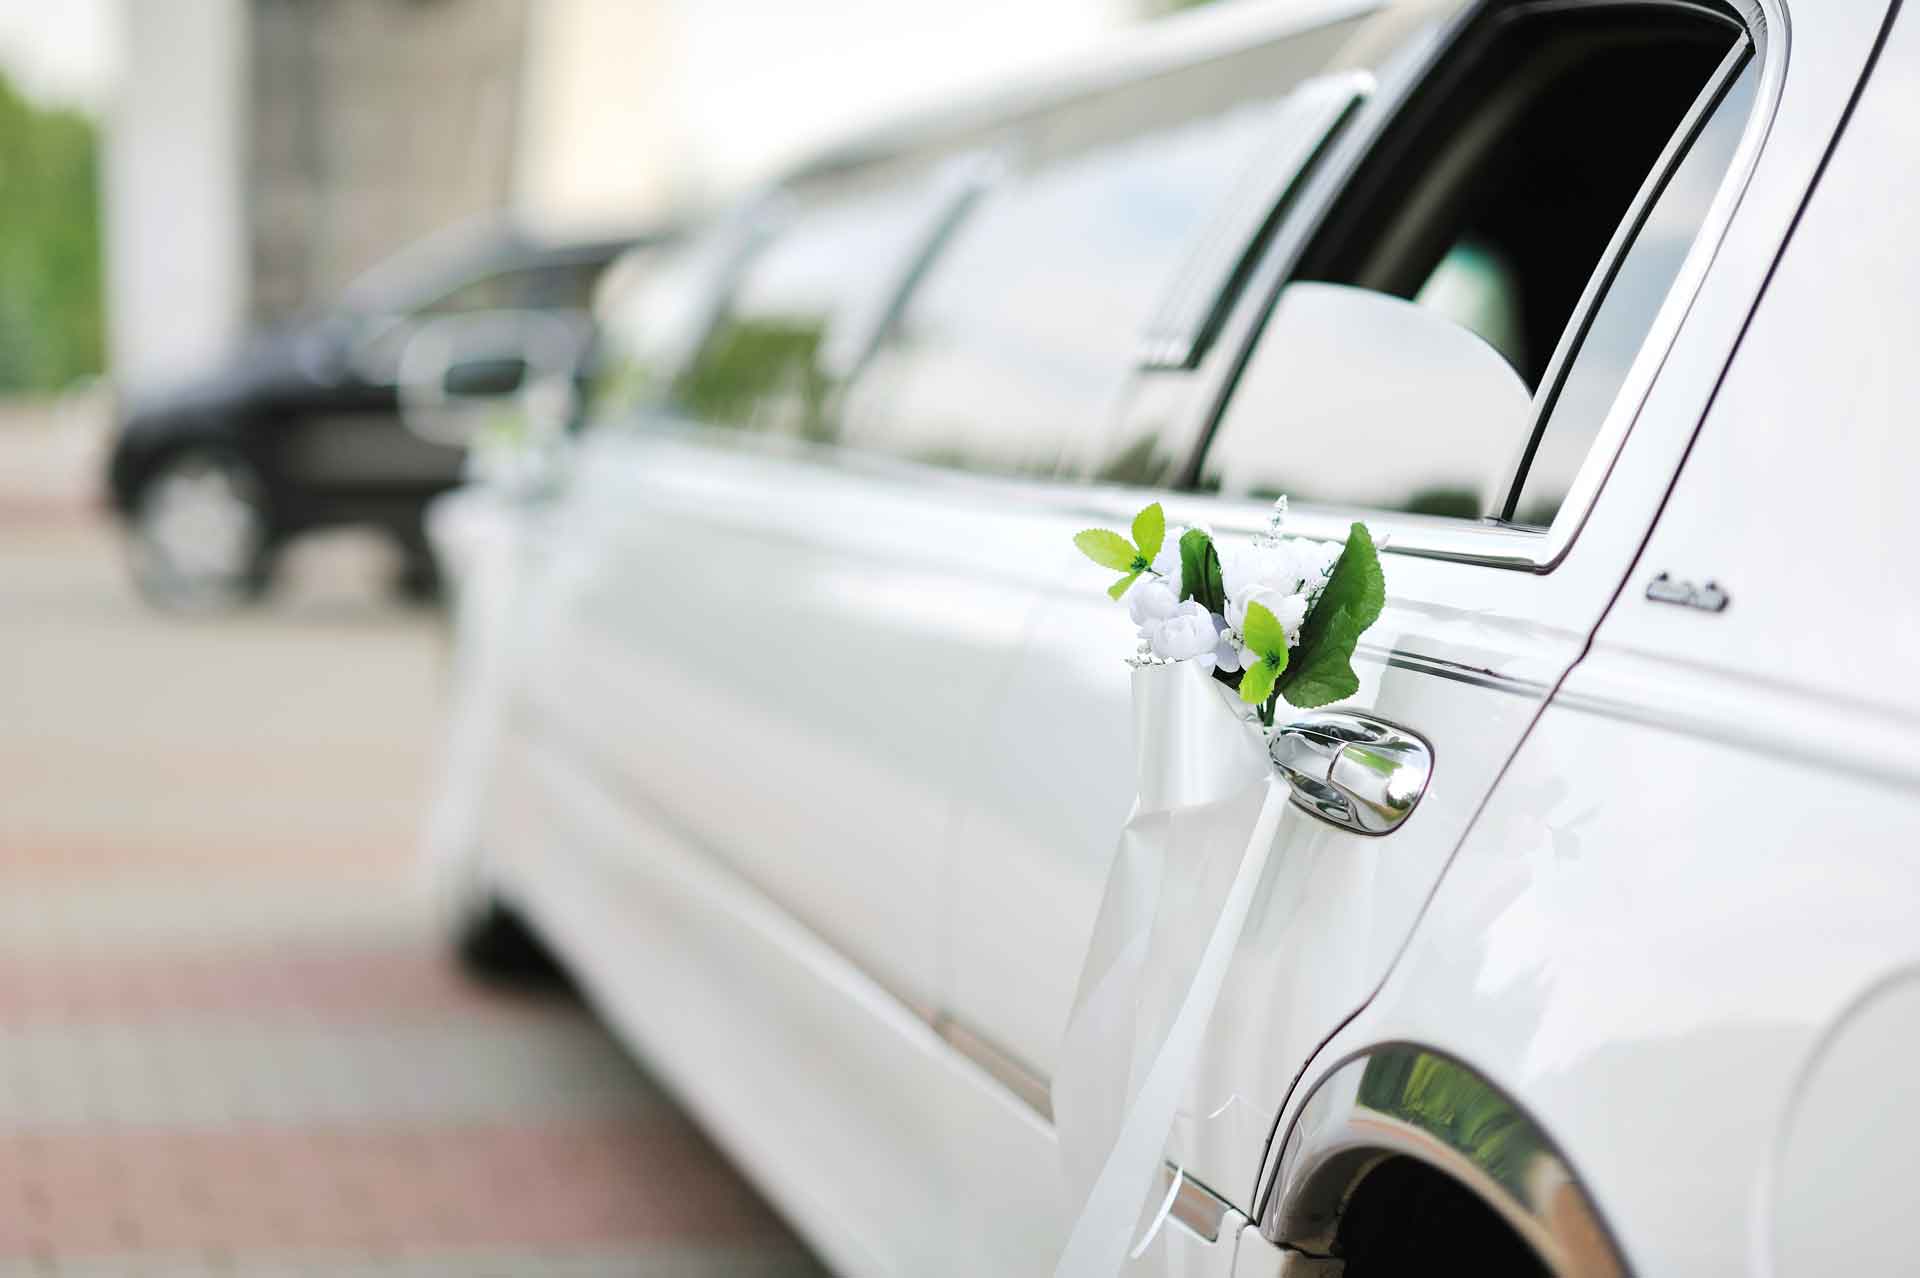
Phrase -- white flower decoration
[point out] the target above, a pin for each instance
(1167, 562)
(1188, 635)
(1150, 601)
(1274, 571)
(1226, 653)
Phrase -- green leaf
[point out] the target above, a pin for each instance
(1324, 673)
(1108, 549)
(1267, 640)
(1356, 591)
(1256, 684)
(1266, 636)
(1200, 571)
(1150, 531)
(1119, 587)
(1356, 583)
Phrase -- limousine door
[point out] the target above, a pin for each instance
(790, 608)
(1496, 572)
(718, 594)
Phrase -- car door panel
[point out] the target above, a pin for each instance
(826, 1089)
(1455, 656)
(1481, 623)
(804, 703)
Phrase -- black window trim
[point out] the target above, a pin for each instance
(1493, 542)
(1554, 379)
(955, 187)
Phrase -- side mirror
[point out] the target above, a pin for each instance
(1437, 411)
(504, 374)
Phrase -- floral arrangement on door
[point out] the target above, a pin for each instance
(1277, 620)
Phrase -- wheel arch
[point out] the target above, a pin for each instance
(1397, 1104)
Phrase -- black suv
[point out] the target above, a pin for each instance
(358, 415)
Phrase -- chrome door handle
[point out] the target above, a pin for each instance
(1360, 773)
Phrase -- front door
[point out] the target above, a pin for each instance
(1491, 594)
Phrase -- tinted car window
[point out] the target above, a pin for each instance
(562, 285)
(1025, 328)
(1492, 201)
(1633, 298)
(795, 327)
(486, 293)
(655, 307)
(549, 286)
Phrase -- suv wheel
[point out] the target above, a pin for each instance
(200, 532)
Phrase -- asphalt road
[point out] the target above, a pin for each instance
(230, 1042)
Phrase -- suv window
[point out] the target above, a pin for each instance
(1493, 199)
(561, 285)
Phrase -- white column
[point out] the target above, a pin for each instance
(174, 202)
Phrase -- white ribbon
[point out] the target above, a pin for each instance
(1190, 857)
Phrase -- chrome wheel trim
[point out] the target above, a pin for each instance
(1400, 1100)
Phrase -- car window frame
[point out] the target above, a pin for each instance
(1494, 542)
(1026, 154)
(949, 183)
(1573, 338)
(728, 243)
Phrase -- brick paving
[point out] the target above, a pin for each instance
(230, 1041)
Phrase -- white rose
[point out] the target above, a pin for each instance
(1289, 567)
(1226, 653)
(1237, 605)
(1245, 567)
(1188, 635)
(1292, 614)
(1150, 601)
(1290, 610)
(1318, 559)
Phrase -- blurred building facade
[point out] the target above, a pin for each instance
(370, 123)
(261, 153)
(174, 225)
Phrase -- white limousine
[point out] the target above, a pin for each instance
(788, 717)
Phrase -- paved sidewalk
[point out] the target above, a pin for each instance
(230, 1042)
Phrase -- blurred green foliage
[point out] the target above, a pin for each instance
(761, 373)
(51, 328)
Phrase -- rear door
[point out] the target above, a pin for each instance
(1571, 241)
(736, 619)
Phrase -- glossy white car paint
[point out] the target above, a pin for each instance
(1682, 933)
(815, 771)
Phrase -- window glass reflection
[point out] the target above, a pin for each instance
(655, 306)
(1025, 330)
(1632, 300)
(1489, 210)
(799, 322)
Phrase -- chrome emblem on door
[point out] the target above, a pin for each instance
(1707, 598)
